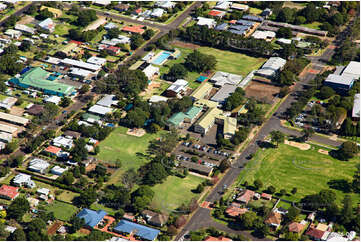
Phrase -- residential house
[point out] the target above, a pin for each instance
(220, 238)
(43, 191)
(8, 192)
(165, 4)
(14, 34)
(110, 25)
(53, 151)
(246, 196)
(266, 196)
(47, 25)
(239, 6)
(156, 219)
(296, 227)
(150, 71)
(140, 231)
(62, 141)
(216, 13)
(91, 218)
(99, 110)
(102, 3)
(137, 29)
(157, 13)
(177, 88)
(23, 180)
(221, 78)
(223, 5)
(107, 101)
(274, 220)
(210, 23)
(38, 165)
(315, 234)
(233, 211)
(121, 7)
(57, 170)
(24, 28)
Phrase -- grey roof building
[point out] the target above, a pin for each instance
(221, 78)
(223, 93)
(271, 67)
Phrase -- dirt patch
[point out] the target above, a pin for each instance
(261, 91)
(52, 230)
(136, 132)
(325, 152)
(185, 45)
(84, 231)
(301, 146)
(18, 111)
(27, 19)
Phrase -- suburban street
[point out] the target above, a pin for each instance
(202, 218)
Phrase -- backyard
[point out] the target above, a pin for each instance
(174, 192)
(287, 167)
(128, 149)
(62, 211)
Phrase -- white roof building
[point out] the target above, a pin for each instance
(178, 86)
(10, 229)
(7, 128)
(356, 106)
(270, 68)
(57, 170)
(211, 23)
(3, 6)
(97, 61)
(258, 34)
(157, 13)
(62, 141)
(38, 165)
(165, 4)
(79, 72)
(107, 101)
(284, 41)
(110, 26)
(221, 78)
(5, 137)
(13, 33)
(344, 80)
(53, 99)
(23, 180)
(8, 102)
(13, 119)
(150, 71)
(52, 60)
(223, 93)
(24, 28)
(223, 5)
(352, 69)
(81, 64)
(48, 24)
(43, 191)
(122, 39)
(156, 99)
(102, 2)
(101, 110)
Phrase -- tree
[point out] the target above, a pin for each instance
(294, 190)
(287, 77)
(136, 40)
(196, 61)
(258, 184)
(283, 192)
(307, 133)
(271, 189)
(235, 99)
(346, 212)
(326, 92)
(79, 152)
(291, 236)
(277, 137)
(199, 189)
(136, 117)
(284, 32)
(84, 89)
(286, 15)
(76, 224)
(347, 151)
(300, 20)
(18, 235)
(36, 225)
(177, 71)
(292, 214)
(247, 220)
(148, 34)
(113, 33)
(64, 102)
(18, 208)
(284, 91)
(130, 178)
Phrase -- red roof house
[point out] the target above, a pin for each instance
(221, 238)
(8, 192)
(274, 219)
(315, 233)
(216, 13)
(52, 150)
(232, 21)
(138, 29)
(295, 227)
(114, 50)
(266, 196)
(235, 211)
(246, 196)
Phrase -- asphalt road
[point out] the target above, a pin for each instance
(202, 217)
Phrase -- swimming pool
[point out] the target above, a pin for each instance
(160, 58)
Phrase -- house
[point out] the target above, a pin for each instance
(157, 13)
(8, 192)
(8, 102)
(57, 170)
(296, 227)
(47, 25)
(110, 25)
(91, 218)
(223, 93)
(339, 82)
(178, 87)
(137, 29)
(221, 78)
(274, 219)
(271, 67)
(43, 191)
(55, 11)
(5, 137)
(265, 35)
(315, 234)
(210, 23)
(165, 4)
(223, 5)
(246, 196)
(81, 74)
(38, 165)
(102, 3)
(37, 79)
(220, 27)
(62, 141)
(23, 180)
(97, 61)
(112, 50)
(266, 196)
(253, 18)
(14, 34)
(284, 41)
(53, 151)
(52, 99)
(141, 231)
(3, 6)
(24, 28)
(121, 7)
(72, 134)
(107, 101)
(14, 119)
(81, 64)
(33, 202)
(266, 13)
(220, 238)
(311, 216)
(239, 6)
(153, 218)
(233, 211)
(99, 110)
(356, 107)
(150, 71)
(216, 13)
(202, 91)
(156, 99)
(35, 109)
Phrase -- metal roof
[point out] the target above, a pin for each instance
(142, 231)
(13, 118)
(356, 106)
(91, 217)
(99, 109)
(223, 93)
(81, 64)
(353, 68)
(202, 90)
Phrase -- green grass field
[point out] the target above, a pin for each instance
(119, 145)
(227, 61)
(62, 211)
(174, 192)
(309, 171)
(313, 25)
(67, 196)
(255, 11)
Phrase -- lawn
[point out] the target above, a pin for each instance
(67, 196)
(62, 211)
(313, 25)
(119, 145)
(255, 11)
(96, 206)
(309, 171)
(227, 61)
(175, 191)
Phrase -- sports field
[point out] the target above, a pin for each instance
(62, 211)
(128, 149)
(174, 191)
(309, 171)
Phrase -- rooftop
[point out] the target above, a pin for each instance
(142, 231)
(9, 191)
(223, 93)
(221, 78)
(99, 109)
(356, 106)
(91, 217)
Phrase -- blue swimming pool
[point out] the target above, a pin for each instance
(161, 58)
